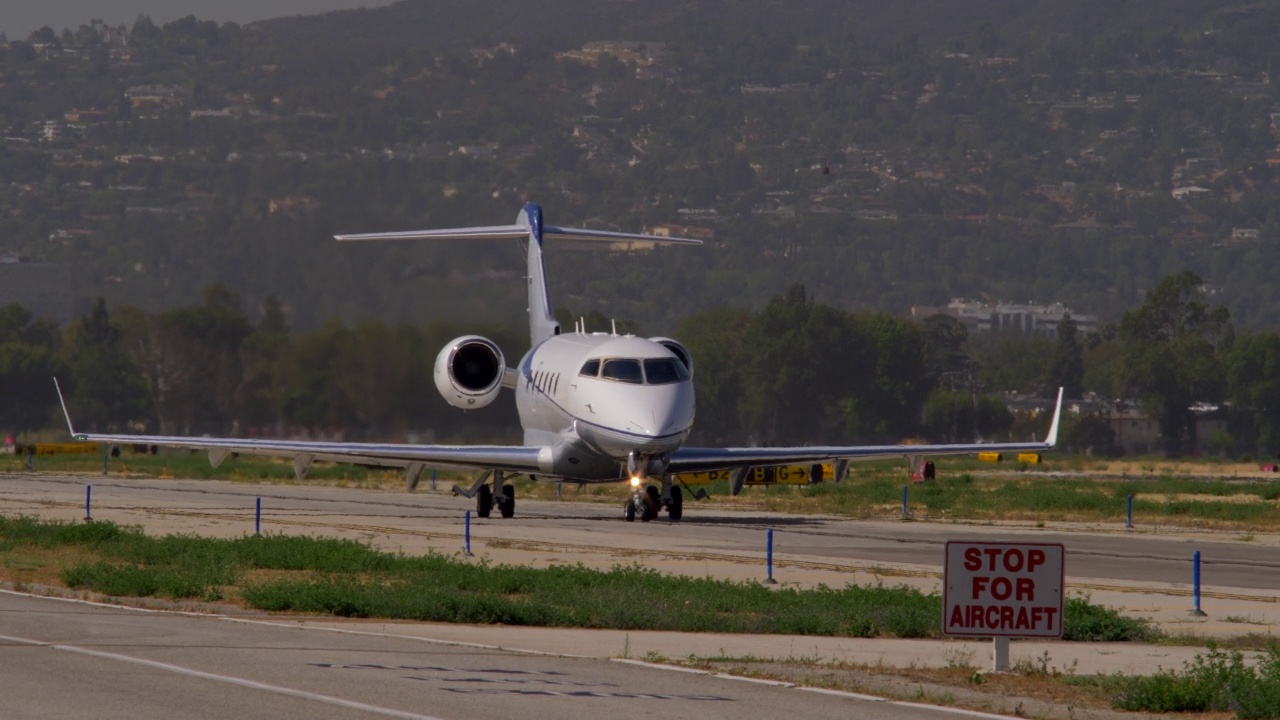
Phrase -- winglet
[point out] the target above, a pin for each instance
(1052, 438)
(65, 414)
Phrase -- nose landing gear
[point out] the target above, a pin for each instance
(648, 502)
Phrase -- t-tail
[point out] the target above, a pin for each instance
(530, 228)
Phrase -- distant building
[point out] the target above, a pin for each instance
(1137, 433)
(629, 52)
(1182, 193)
(980, 316)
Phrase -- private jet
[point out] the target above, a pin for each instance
(595, 407)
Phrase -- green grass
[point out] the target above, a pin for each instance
(1032, 496)
(195, 465)
(348, 578)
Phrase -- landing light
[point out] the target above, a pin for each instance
(635, 482)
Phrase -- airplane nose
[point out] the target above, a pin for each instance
(669, 413)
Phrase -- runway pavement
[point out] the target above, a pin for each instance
(1145, 572)
(61, 659)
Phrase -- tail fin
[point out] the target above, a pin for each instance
(529, 227)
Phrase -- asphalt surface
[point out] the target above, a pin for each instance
(61, 659)
(1146, 555)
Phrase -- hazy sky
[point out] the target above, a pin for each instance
(19, 17)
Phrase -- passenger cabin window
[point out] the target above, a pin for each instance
(661, 371)
(627, 371)
(590, 368)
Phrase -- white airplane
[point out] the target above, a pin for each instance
(595, 407)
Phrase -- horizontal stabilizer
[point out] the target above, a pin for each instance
(517, 232)
(606, 236)
(494, 232)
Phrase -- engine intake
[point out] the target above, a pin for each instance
(680, 351)
(468, 372)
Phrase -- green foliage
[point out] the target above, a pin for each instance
(1171, 355)
(1253, 384)
(799, 371)
(1216, 681)
(135, 581)
(355, 580)
(1067, 370)
(107, 383)
(963, 417)
(1085, 622)
(624, 598)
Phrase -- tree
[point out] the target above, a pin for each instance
(1253, 384)
(717, 341)
(1067, 370)
(944, 340)
(797, 373)
(190, 358)
(107, 386)
(25, 384)
(27, 364)
(964, 417)
(1170, 357)
(263, 358)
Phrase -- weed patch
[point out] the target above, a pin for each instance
(351, 579)
(1219, 680)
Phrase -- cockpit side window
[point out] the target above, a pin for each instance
(627, 371)
(661, 371)
(590, 368)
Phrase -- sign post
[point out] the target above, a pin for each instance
(1003, 590)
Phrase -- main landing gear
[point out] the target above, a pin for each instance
(501, 494)
(647, 502)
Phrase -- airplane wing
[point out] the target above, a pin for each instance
(689, 459)
(508, 458)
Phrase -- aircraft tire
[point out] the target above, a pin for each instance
(508, 505)
(675, 511)
(652, 504)
(629, 511)
(484, 501)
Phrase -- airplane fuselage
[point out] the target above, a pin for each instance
(597, 400)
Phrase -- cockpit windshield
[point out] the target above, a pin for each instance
(660, 371)
(649, 371)
(627, 371)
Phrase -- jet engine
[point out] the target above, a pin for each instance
(678, 350)
(468, 372)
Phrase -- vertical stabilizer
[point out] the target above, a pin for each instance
(529, 227)
(542, 322)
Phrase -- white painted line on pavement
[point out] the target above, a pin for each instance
(253, 684)
(301, 625)
(659, 666)
(843, 693)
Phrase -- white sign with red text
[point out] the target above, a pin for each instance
(1003, 589)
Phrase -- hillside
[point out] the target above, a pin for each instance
(886, 155)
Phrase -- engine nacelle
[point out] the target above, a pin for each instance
(468, 372)
(678, 350)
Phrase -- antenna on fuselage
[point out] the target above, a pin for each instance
(614, 324)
